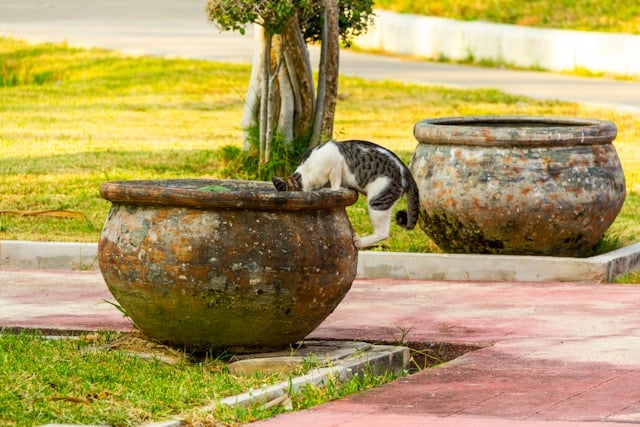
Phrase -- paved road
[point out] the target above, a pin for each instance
(179, 28)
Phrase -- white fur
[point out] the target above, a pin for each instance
(380, 220)
(326, 165)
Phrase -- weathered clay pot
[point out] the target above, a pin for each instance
(241, 270)
(517, 184)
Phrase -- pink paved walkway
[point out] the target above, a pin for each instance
(552, 354)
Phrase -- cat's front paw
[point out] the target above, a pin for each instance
(357, 241)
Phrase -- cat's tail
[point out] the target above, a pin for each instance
(409, 218)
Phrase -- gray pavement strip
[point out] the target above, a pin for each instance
(344, 360)
(394, 265)
(347, 361)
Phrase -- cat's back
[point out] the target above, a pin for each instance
(322, 154)
(369, 160)
(360, 150)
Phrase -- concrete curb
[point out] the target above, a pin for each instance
(343, 367)
(362, 357)
(350, 359)
(513, 268)
(372, 265)
(550, 49)
(48, 255)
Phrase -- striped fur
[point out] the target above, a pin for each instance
(367, 168)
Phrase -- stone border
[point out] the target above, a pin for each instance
(352, 358)
(511, 268)
(550, 49)
(349, 359)
(48, 255)
(16, 254)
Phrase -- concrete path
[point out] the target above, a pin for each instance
(550, 353)
(179, 28)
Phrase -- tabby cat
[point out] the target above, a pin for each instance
(366, 167)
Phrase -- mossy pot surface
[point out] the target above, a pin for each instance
(226, 265)
(522, 185)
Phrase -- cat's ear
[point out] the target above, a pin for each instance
(294, 182)
(279, 183)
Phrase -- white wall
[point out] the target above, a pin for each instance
(556, 50)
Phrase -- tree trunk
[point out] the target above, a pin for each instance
(250, 115)
(332, 62)
(274, 43)
(281, 90)
(287, 113)
(300, 73)
(327, 75)
(265, 132)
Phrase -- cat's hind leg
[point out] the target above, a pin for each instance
(381, 198)
(381, 222)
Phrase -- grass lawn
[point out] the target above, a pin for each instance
(96, 379)
(619, 16)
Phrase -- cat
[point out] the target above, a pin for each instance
(367, 168)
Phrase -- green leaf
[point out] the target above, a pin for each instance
(215, 188)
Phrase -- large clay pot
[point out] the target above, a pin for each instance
(241, 268)
(517, 184)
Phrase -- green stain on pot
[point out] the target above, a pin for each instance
(451, 235)
(140, 234)
(189, 318)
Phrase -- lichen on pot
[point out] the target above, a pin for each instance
(226, 265)
(517, 184)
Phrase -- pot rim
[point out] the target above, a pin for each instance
(521, 131)
(259, 195)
